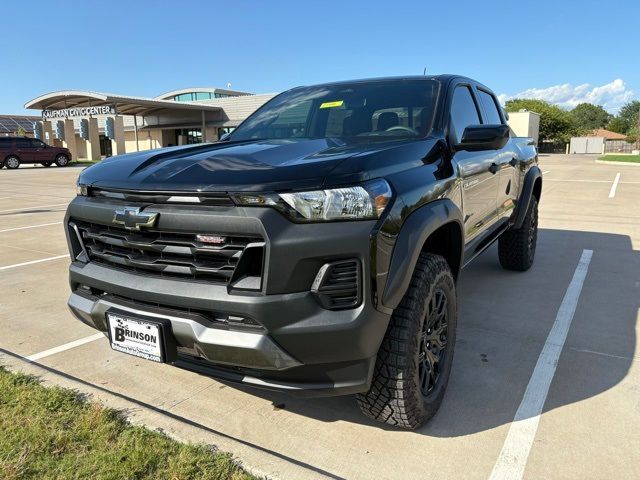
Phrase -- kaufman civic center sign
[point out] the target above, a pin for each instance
(79, 112)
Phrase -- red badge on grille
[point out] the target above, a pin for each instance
(211, 239)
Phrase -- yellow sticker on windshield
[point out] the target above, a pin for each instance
(337, 103)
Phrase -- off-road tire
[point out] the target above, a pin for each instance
(62, 160)
(517, 247)
(12, 162)
(395, 396)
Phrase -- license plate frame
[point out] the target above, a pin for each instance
(139, 344)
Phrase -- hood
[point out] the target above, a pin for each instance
(267, 165)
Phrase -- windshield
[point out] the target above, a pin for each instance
(374, 110)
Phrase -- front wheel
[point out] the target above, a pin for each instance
(12, 162)
(62, 160)
(414, 361)
(517, 248)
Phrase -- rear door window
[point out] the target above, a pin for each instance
(491, 113)
(5, 143)
(23, 143)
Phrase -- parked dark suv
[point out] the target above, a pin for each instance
(17, 150)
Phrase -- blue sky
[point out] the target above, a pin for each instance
(564, 51)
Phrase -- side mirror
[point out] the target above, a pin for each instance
(484, 137)
(224, 137)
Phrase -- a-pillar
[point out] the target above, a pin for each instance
(117, 143)
(93, 142)
(70, 138)
(47, 131)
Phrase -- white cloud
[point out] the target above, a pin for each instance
(611, 95)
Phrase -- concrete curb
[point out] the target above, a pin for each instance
(629, 164)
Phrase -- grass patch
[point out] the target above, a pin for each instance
(84, 162)
(621, 158)
(52, 433)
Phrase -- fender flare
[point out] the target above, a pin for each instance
(530, 178)
(415, 231)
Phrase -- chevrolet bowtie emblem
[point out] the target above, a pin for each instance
(133, 219)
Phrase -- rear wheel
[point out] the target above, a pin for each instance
(517, 248)
(12, 162)
(62, 160)
(414, 360)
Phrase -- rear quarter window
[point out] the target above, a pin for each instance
(5, 143)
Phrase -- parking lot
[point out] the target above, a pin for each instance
(509, 325)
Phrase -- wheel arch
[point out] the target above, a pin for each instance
(436, 227)
(12, 155)
(532, 187)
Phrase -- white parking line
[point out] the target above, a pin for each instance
(33, 208)
(515, 451)
(545, 172)
(574, 180)
(30, 226)
(7, 267)
(66, 346)
(614, 186)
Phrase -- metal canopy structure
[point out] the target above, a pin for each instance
(125, 105)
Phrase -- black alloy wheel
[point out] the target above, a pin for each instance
(433, 343)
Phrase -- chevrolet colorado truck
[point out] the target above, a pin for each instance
(315, 249)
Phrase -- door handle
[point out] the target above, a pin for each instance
(494, 168)
(513, 162)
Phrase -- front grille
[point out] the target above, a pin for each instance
(163, 197)
(338, 285)
(160, 253)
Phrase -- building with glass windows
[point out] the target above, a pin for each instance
(93, 125)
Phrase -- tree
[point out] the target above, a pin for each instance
(616, 125)
(21, 131)
(556, 124)
(588, 117)
(628, 116)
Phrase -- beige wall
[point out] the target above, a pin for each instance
(168, 138)
(212, 134)
(148, 140)
(525, 124)
(81, 145)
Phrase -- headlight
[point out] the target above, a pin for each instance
(81, 190)
(360, 202)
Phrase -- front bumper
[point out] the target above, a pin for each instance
(299, 345)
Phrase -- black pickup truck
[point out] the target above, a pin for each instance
(315, 249)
